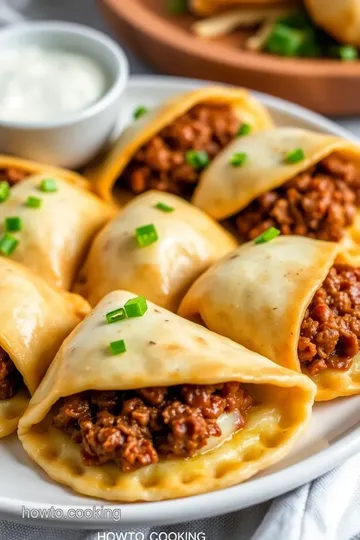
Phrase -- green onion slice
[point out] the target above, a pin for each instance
(4, 191)
(139, 112)
(267, 235)
(8, 243)
(244, 129)
(164, 207)
(238, 159)
(136, 307)
(48, 185)
(294, 156)
(116, 315)
(146, 235)
(285, 41)
(117, 347)
(198, 159)
(347, 53)
(177, 7)
(33, 202)
(13, 224)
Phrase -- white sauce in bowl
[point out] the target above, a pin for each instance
(38, 84)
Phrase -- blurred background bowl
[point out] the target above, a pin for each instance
(72, 141)
(328, 86)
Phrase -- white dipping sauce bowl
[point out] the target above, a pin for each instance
(70, 142)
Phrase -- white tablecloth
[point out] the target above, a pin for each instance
(326, 509)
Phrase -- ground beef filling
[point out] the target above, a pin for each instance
(330, 331)
(161, 163)
(10, 378)
(318, 203)
(12, 175)
(135, 428)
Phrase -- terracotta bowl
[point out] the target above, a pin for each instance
(165, 41)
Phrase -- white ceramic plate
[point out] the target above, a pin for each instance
(333, 436)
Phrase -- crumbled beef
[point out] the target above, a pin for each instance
(10, 378)
(12, 175)
(134, 428)
(161, 163)
(330, 331)
(318, 203)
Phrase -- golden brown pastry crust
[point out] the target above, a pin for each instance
(189, 241)
(258, 296)
(163, 349)
(340, 18)
(225, 190)
(34, 167)
(54, 237)
(35, 319)
(108, 170)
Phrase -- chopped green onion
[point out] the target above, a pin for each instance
(178, 7)
(8, 243)
(267, 235)
(48, 185)
(33, 202)
(139, 112)
(244, 129)
(294, 156)
(164, 207)
(347, 53)
(198, 159)
(116, 315)
(146, 235)
(136, 307)
(13, 224)
(285, 41)
(117, 347)
(4, 191)
(238, 159)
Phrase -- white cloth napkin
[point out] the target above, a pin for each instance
(326, 509)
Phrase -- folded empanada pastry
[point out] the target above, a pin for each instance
(35, 320)
(340, 18)
(152, 406)
(208, 7)
(185, 243)
(47, 224)
(168, 148)
(295, 300)
(299, 181)
(13, 170)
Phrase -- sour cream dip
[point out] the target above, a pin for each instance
(39, 84)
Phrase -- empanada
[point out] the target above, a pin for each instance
(295, 300)
(298, 181)
(57, 220)
(35, 320)
(340, 18)
(168, 148)
(188, 242)
(178, 410)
